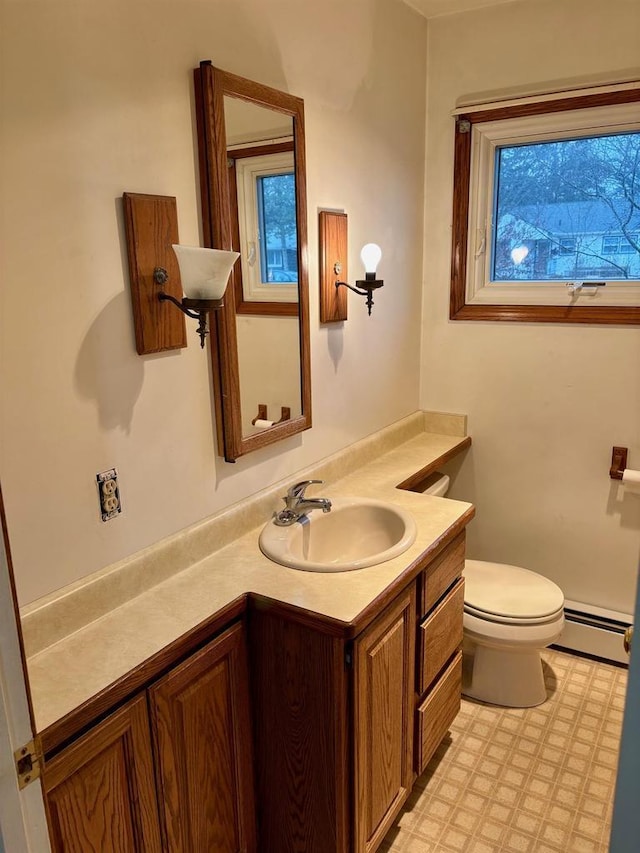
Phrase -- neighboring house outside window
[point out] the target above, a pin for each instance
(593, 251)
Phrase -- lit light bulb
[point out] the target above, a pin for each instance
(370, 257)
(519, 254)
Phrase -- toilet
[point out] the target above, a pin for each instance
(510, 615)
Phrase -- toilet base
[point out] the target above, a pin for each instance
(511, 677)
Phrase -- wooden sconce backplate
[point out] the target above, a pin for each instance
(333, 248)
(151, 224)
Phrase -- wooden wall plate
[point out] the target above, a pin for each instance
(151, 226)
(333, 249)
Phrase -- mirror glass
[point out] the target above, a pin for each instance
(251, 145)
(262, 198)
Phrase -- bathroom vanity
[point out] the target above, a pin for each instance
(345, 719)
(240, 705)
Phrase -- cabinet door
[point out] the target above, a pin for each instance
(100, 791)
(383, 723)
(202, 738)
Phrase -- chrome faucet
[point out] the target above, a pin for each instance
(297, 505)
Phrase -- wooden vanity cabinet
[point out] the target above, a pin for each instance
(334, 729)
(343, 721)
(188, 738)
(439, 659)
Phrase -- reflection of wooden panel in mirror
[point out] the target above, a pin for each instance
(246, 132)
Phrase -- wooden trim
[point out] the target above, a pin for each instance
(208, 134)
(267, 309)
(458, 308)
(617, 315)
(597, 99)
(211, 85)
(416, 481)
(259, 150)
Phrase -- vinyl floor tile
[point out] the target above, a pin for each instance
(537, 780)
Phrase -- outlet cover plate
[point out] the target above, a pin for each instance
(109, 494)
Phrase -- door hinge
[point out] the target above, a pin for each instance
(28, 763)
(348, 658)
(464, 125)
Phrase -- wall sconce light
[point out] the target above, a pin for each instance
(333, 245)
(161, 269)
(204, 274)
(370, 257)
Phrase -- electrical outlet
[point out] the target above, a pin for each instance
(109, 494)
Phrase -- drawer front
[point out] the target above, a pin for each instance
(437, 712)
(440, 635)
(441, 573)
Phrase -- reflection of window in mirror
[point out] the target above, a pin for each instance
(266, 203)
(262, 193)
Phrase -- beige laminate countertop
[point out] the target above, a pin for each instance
(77, 667)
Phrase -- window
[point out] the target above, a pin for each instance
(623, 244)
(566, 246)
(547, 195)
(610, 245)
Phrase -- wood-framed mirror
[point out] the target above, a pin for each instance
(253, 189)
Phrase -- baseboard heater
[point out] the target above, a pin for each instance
(594, 631)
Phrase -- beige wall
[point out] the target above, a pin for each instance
(97, 100)
(546, 403)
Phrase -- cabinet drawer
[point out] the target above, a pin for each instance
(441, 573)
(437, 712)
(440, 635)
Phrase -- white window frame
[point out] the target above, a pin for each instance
(487, 137)
(469, 299)
(249, 170)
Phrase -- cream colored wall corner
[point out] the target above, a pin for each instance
(99, 101)
(546, 403)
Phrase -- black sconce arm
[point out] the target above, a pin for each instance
(365, 288)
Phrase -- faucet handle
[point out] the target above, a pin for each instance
(298, 490)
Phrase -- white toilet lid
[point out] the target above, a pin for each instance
(510, 592)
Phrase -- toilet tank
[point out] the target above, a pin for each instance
(437, 484)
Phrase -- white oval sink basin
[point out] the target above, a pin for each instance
(358, 532)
